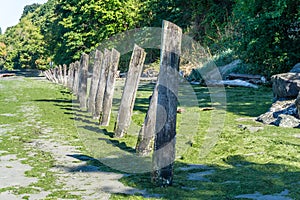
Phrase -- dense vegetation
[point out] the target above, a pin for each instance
(264, 34)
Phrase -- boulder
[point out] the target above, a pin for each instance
(296, 68)
(286, 85)
(297, 104)
(287, 121)
(211, 72)
(282, 113)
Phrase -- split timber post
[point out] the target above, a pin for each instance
(60, 76)
(76, 74)
(145, 141)
(49, 75)
(70, 76)
(83, 76)
(109, 90)
(102, 84)
(164, 142)
(129, 92)
(55, 75)
(95, 81)
(65, 74)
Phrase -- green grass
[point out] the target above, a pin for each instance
(17, 97)
(266, 161)
(244, 162)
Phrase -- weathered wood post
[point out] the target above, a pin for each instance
(102, 84)
(55, 74)
(70, 76)
(48, 75)
(164, 143)
(95, 81)
(146, 136)
(76, 75)
(60, 75)
(129, 92)
(109, 90)
(64, 74)
(83, 76)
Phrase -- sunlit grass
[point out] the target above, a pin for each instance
(265, 161)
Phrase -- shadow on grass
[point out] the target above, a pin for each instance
(29, 73)
(240, 178)
(59, 102)
(240, 101)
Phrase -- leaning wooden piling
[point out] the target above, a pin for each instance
(70, 76)
(83, 77)
(109, 90)
(95, 81)
(64, 75)
(146, 136)
(102, 84)
(76, 74)
(129, 92)
(60, 75)
(164, 143)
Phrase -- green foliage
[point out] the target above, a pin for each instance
(212, 24)
(3, 54)
(25, 46)
(30, 9)
(264, 34)
(80, 25)
(268, 34)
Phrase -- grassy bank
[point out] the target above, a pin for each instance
(245, 160)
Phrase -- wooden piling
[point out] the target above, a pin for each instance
(164, 143)
(95, 81)
(83, 76)
(109, 90)
(102, 84)
(129, 92)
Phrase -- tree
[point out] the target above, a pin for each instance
(268, 34)
(3, 54)
(30, 9)
(80, 25)
(25, 45)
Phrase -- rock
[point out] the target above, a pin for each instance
(234, 83)
(297, 104)
(287, 121)
(296, 68)
(150, 73)
(211, 72)
(286, 85)
(266, 118)
(251, 129)
(180, 110)
(282, 113)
